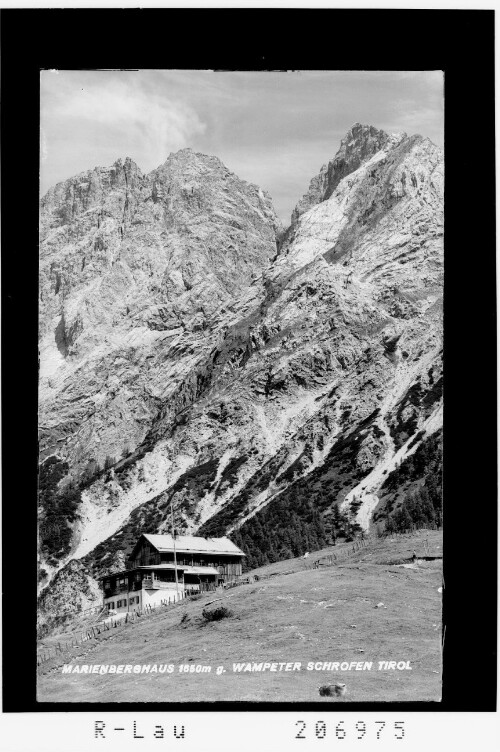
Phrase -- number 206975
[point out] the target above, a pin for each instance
(377, 730)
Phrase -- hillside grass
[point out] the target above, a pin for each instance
(325, 614)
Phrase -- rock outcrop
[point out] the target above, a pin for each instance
(359, 145)
(73, 590)
(136, 273)
(191, 361)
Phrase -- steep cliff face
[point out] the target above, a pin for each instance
(136, 273)
(352, 372)
(359, 145)
(238, 382)
(73, 591)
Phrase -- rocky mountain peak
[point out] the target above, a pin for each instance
(360, 135)
(129, 167)
(81, 193)
(192, 184)
(129, 265)
(189, 162)
(359, 144)
(180, 364)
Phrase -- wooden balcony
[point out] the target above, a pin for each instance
(157, 584)
(108, 592)
(203, 587)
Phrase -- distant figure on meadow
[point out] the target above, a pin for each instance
(332, 690)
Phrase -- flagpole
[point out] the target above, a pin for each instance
(175, 554)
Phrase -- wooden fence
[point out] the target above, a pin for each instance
(106, 625)
(94, 630)
(367, 539)
(342, 555)
(413, 528)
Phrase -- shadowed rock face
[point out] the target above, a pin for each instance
(226, 379)
(136, 273)
(360, 143)
(72, 590)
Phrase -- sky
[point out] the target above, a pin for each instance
(275, 129)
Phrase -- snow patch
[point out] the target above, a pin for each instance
(319, 228)
(366, 489)
(105, 509)
(300, 411)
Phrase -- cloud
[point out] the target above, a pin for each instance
(274, 129)
(86, 118)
